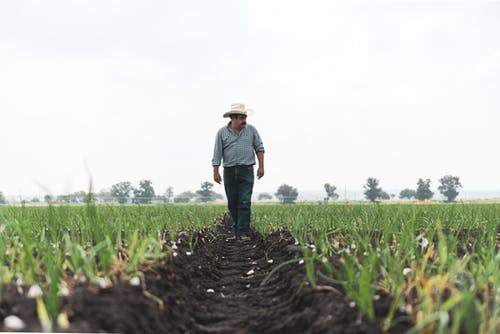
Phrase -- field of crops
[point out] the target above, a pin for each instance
(416, 268)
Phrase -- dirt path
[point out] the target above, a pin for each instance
(215, 289)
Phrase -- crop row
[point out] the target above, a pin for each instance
(439, 263)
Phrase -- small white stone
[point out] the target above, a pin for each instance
(250, 272)
(270, 261)
(174, 254)
(188, 253)
(376, 297)
(62, 320)
(63, 290)
(296, 242)
(301, 262)
(104, 282)
(424, 243)
(406, 271)
(13, 322)
(174, 246)
(352, 304)
(248, 286)
(35, 291)
(210, 291)
(135, 281)
(254, 262)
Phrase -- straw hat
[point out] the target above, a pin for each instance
(238, 109)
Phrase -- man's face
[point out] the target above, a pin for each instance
(239, 121)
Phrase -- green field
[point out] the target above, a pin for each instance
(440, 263)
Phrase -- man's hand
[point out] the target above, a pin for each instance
(260, 172)
(217, 177)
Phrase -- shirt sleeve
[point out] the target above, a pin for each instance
(217, 157)
(257, 142)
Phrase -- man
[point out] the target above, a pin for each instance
(236, 144)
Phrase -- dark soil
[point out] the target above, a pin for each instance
(175, 296)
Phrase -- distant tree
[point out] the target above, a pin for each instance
(48, 198)
(35, 200)
(330, 191)
(184, 197)
(384, 195)
(145, 193)
(372, 191)
(407, 193)
(264, 196)
(104, 196)
(169, 194)
(206, 194)
(90, 197)
(78, 196)
(287, 194)
(62, 198)
(449, 187)
(423, 190)
(2, 198)
(216, 196)
(121, 191)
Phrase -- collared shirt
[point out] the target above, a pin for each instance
(236, 149)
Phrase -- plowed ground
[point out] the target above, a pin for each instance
(216, 289)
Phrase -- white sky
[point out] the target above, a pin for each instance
(342, 90)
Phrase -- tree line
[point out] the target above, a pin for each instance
(449, 188)
(124, 192)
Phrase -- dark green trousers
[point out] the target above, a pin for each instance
(238, 183)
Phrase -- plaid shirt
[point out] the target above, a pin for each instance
(236, 149)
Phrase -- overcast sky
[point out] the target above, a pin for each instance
(342, 90)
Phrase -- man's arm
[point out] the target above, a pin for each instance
(260, 170)
(217, 177)
(259, 149)
(217, 157)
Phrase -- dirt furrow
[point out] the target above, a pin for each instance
(213, 288)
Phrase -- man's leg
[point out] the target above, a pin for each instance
(231, 188)
(245, 183)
